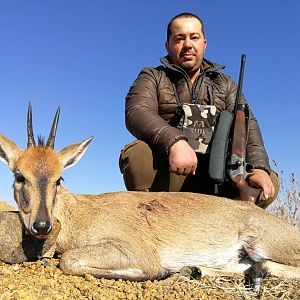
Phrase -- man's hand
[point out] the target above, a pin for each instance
(261, 179)
(182, 159)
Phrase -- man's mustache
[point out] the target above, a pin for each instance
(183, 53)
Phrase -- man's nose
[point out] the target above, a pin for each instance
(187, 43)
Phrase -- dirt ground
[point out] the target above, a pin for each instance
(44, 280)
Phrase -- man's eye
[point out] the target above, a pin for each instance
(195, 37)
(179, 38)
(19, 178)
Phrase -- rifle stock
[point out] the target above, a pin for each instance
(237, 166)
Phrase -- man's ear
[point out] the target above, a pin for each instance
(71, 154)
(167, 46)
(9, 151)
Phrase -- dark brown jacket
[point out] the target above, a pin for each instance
(151, 103)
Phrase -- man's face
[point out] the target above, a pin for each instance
(186, 45)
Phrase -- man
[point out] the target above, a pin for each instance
(162, 159)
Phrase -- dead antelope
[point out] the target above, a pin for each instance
(140, 235)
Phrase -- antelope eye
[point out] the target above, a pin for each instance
(19, 178)
(58, 181)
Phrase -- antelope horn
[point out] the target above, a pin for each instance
(30, 141)
(51, 138)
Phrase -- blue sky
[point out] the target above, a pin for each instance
(84, 55)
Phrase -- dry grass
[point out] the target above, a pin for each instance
(287, 205)
(4, 206)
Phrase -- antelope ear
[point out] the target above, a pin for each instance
(71, 154)
(9, 151)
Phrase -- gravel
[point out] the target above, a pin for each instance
(44, 280)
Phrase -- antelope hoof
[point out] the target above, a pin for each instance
(191, 272)
(255, 278)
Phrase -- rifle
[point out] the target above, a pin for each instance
(237, 167)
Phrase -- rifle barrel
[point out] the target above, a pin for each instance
(241, 79)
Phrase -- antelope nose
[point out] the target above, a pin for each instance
(41, 228)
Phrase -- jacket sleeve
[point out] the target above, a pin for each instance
(256, 153)
(142, 113)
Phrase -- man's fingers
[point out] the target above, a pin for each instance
(183, 171)
(182, 158)
(176, 170)
(272, 191)
(180, 171)
(172, 169)
(268, 190)
(193, 170)
(260, 179)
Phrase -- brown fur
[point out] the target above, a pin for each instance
(140, 235)
(16, 246)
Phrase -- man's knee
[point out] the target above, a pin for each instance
(144, 169)
(136, 165)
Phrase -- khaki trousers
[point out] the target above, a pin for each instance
(144, 169)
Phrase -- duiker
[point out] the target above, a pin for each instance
(144, 235)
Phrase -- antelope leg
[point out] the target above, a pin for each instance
(112, 258)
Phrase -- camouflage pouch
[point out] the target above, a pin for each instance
(197, 123)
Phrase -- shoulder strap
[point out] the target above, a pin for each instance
(178, 101)
(196, 90)
(174, 121)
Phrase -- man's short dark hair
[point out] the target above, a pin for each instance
(184, 15)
